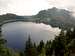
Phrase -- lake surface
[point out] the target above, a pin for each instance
(17, 33)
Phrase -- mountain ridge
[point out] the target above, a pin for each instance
(55, 17)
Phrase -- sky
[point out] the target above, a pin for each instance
(32, 7)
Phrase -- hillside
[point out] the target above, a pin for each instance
(55, 17)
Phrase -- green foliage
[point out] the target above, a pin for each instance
(30, 48)
(59, 44)
(64, 42)
(62, 45)
(48, 48)
(40, 47)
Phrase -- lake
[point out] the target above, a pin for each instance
(17, 33)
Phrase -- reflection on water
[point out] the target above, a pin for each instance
(16, 33)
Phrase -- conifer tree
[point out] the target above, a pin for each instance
(59, 44)
(48, 48)
(30, 49)
(40, 47)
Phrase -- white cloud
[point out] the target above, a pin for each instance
(29, 7)
(62, 3)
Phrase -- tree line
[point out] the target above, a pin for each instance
(62, 45)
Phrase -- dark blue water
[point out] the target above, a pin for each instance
(16, 33)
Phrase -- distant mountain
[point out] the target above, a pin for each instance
(55, 17)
